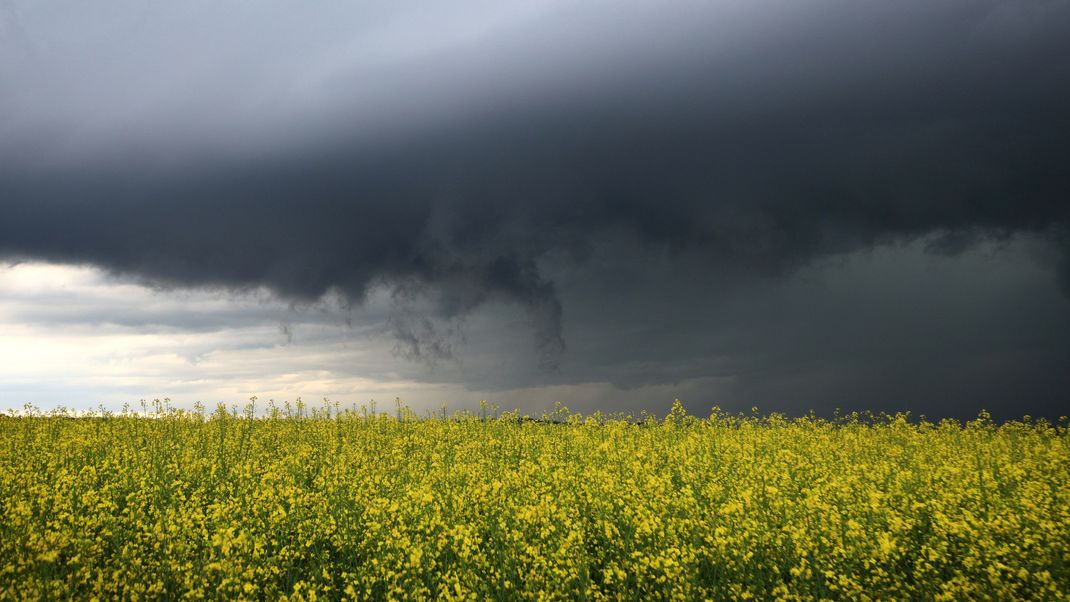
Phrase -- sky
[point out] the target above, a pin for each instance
(798, 206)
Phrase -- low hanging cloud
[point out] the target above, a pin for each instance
(449, 155)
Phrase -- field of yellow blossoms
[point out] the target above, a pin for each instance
(337, 504)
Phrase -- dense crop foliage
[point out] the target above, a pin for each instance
(361, 505)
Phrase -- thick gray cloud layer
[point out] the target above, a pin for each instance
(457, 152)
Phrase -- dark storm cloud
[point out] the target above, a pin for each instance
(265, 149)
(897, 329)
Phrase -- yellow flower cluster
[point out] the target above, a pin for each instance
(359, 505)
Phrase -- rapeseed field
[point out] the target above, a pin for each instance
(286, 503)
